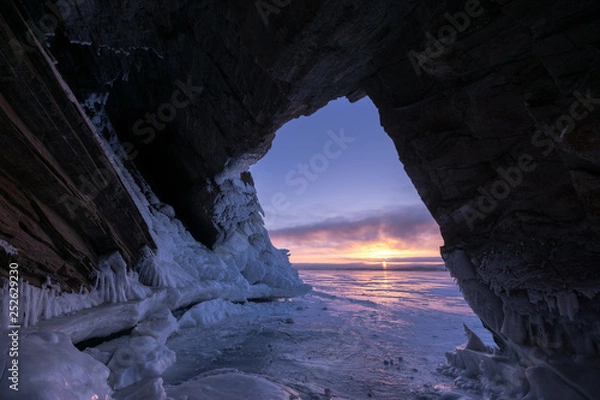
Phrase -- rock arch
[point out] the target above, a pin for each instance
(493, 107)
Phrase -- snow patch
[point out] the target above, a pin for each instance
(8, 248)
(209, 312)
(63, 372)
(81, 42)
(234, 167)
(138, 358)
(230, 385)
(147, 389)
(142, 356)
(159, 325)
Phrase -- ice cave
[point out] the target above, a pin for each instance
(127, 132)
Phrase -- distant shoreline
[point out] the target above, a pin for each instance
(368, 267)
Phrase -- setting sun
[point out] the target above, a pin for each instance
(386, 252)
(385, 249)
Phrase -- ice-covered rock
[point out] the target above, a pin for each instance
(114, 284)
(139, 357)
(244, 242)
(546, 385)
(529, 374)
(147, 389)
(51, 368)
(244, 263)
(230, 385)
(209, 312)
(478, 367)
(159, 325)
(523, 71)
(474, 342)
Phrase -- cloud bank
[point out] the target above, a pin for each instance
(404, 235)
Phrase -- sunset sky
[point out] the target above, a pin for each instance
(334, 192)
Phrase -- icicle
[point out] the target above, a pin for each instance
(568, 305)
(112, 284)
(26, 302)
(4, 303)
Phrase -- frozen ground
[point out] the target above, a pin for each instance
(358, 335)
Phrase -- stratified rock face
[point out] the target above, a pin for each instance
(62, 204)
(493, 107)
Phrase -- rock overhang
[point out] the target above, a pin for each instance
(497, 125)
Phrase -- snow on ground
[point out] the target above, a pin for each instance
(231, 385)
(358, 335)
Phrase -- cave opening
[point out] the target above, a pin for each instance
(383, 309)
(334, 192)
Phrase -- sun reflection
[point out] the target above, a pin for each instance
(386, 283)
(384, 264)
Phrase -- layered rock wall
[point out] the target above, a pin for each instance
(62, 204)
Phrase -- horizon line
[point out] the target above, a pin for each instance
(376, 266)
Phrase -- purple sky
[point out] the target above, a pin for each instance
(334, 191)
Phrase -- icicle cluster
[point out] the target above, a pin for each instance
(243, 240)
(112, 284)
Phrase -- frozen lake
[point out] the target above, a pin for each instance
(357, 335)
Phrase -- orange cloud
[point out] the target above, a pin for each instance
(408, 234)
